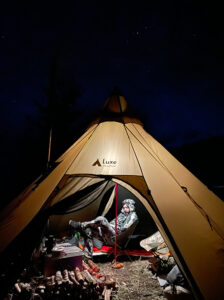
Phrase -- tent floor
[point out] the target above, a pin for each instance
(135, 280)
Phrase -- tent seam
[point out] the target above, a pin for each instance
(71, 163)
(71, 147)
(154, 154)
(82, 147)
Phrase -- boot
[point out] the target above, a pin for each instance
(75, 225)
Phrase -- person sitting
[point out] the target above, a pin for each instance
(100, 231)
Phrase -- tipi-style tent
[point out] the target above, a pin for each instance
(117, 148)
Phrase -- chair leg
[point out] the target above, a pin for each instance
(129, 256)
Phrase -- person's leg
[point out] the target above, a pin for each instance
(97, 243)
(83, 225)
(88, 247)
(75, 225)
(101, 230)
(98, 229)
(98, 220)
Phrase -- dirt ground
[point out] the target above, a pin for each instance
(135, 280)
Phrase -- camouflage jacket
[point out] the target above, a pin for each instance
(124, 221)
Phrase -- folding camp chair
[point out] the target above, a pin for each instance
(126, 236)
(123, 239)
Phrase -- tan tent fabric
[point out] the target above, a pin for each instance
(110, 147)
(74, 185)
(109, 203)
(81, 201)
(182, 217)
(115, 104)
(60, 223)
(14, 222)
(204, 198)
(189, 216)
(116, 109)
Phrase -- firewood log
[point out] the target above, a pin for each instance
(21, 285)
(104, 291)
(93, 280)
(107, 294)
(78, 275)
(93, 266)
(50, 286)
(36, 296)
(53, 279)
(58, 277)
(41, 287)
(87, 267)
(88, 277)
(100, 282)
(17, 288)
(65, 274)
(72, 278)
(66, 278)
(50, 281)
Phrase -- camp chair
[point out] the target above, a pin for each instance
(123, 239)
(126, 236)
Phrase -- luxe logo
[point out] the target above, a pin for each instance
(97, 163)
(105, 163)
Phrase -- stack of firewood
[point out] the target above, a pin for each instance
(88, 283)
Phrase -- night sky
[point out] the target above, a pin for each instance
(166, 57)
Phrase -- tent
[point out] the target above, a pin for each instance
(116, 147)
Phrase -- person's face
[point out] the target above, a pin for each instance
(126, 209)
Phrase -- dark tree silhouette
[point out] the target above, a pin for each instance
(29, 149)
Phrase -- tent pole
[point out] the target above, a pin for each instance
(115, 248)
(49, 148)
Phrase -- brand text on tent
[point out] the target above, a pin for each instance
(105, 163)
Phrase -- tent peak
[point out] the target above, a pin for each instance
(116, 103)
(116, 109)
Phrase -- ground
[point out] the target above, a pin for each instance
(135, 280)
